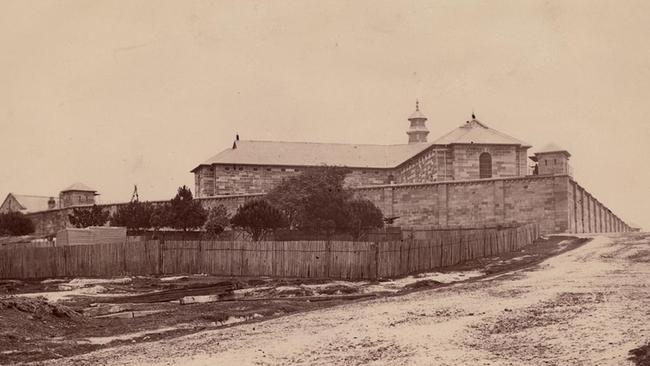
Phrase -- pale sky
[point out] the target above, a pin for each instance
(117, 93)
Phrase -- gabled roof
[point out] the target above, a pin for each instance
(475, 132)
(314, 154)
(80, 187)
(29, 203)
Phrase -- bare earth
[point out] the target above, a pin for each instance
(588, 306)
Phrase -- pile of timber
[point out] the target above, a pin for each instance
(223, 288)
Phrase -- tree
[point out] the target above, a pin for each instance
(363, 215)
(84, 217)
(313, 200)
(160, 216)
(258, 217)
(135, 216)
(217, 220)
(184, 212)
(15, 223)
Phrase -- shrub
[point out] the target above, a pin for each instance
(184, 212)
(258, 217)
(313, 200)
(134, 216)
(15, 223)
(84, 217)
(363, 215)
(217, 221)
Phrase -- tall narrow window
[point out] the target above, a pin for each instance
(485, 165)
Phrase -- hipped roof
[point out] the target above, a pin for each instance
(250, 152)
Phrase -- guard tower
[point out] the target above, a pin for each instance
(552, 160)
(77, 194)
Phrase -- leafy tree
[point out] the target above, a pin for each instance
(84, 217)
(160, 216)
(15, 223)
(134, 215)
(217, 220)
(314, 200)
(184, 212)
(363, 215)
(258, 217)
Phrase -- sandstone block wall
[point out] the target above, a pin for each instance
(476, 203)
(547, 200)
(552, 163)
(557, 203)
(219, 180)
(432, 165)
(506, 161)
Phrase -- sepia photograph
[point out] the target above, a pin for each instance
(413, 182)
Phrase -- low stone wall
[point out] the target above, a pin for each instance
(557, 203)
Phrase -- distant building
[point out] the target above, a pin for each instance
(27, 203)
(552, 160)
(471, 151)
(77, 194)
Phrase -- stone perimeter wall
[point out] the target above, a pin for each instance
(547, 200)
(557, 203)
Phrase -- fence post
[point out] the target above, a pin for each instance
(328, 256)
(200, 261)
(161, 250)
(376, 261)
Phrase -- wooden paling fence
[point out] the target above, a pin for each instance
(303, 259)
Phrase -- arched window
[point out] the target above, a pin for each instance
(485, 165)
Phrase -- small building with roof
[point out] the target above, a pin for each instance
(471, 151)
(25, 203)
(552, 159)
(77, 194)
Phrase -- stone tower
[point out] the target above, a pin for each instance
(418, 130)
(552, 160)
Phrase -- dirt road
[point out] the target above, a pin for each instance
(584, 307)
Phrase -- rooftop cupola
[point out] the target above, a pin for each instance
(418, 130)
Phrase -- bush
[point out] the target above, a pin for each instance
(134, 216)
(258, 217)
(15, 223)
(84, 217)
(184, 212)
(363, 215)
(217, 221)
(315, 200)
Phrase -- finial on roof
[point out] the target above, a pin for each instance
(473, 115)
(417, 105)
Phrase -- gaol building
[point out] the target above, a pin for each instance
(470, 151)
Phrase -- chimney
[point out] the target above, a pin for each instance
(51, 204)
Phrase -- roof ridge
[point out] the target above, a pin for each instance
(30, 195)
(325, 143)
(523, 143)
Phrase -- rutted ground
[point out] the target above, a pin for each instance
(587, 306)
(59, 318)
